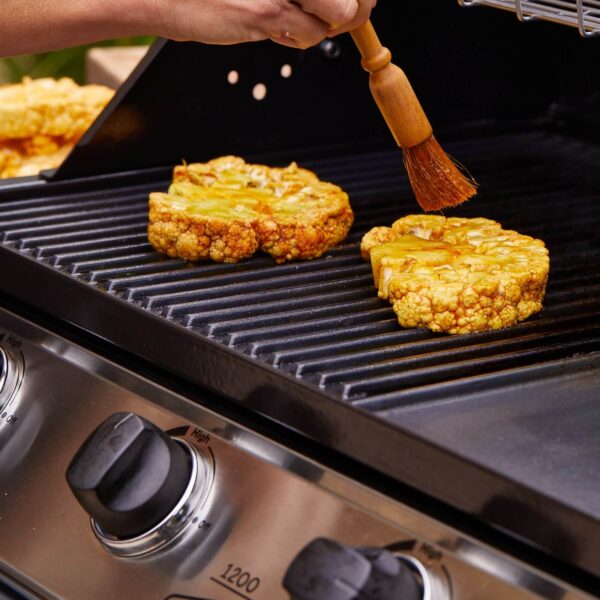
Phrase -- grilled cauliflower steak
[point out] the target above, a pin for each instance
(226, 209)
(457, 275)
(57, 108)
(42, 119)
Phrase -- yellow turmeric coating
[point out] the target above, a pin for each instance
(457, 275)
(14, 163)
(42, 119)
(226, 209)
(50, 107)
(19, 158)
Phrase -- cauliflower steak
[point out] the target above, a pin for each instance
(457, 275)
(50, 107)
(226, 209)
(42, 119)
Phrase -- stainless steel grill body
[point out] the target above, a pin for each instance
(266, 503)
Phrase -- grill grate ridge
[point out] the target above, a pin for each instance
(410, 371)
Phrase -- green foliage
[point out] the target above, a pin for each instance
(65, 63)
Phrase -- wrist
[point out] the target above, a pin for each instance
(161, 16)
(120, 18)
(151, 16)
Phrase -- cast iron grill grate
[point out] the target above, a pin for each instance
(321, 321)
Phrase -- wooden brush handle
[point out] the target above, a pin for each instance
(392, 90)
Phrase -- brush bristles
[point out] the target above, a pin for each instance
(436, 180)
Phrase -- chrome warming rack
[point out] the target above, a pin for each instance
(583, 14)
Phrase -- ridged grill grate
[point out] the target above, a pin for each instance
(321, 320)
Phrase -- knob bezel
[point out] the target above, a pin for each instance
(174, 523)
(4, 371)
(11, 378)
(416, 565)
(435, 579)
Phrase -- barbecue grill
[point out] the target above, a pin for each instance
(473, 460)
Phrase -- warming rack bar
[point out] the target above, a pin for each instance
(583, 14)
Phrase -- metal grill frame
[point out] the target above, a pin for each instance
(583, 14)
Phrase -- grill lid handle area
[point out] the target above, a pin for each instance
(128, 475)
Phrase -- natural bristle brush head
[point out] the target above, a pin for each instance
(435, 178)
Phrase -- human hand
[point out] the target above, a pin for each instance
(295, 23)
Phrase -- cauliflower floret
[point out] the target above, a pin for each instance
(457, 275)
(42, 119)
(57, 108)
(374, 238)
(10, 160)
(226, 209)
(18, 162)
(224, 231)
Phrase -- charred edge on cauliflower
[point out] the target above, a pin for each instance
(219, 237)
(457, 275)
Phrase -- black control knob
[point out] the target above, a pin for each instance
(128, 475)
(328, 570)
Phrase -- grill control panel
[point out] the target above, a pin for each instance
(186, 504)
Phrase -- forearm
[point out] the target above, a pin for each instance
(43, 25)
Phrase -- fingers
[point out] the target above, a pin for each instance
(292, 26)
(295, 23)
(335, 12)
(363, 13)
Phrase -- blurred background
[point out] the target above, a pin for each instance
(66, 63)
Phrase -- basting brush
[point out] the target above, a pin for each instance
(436, 180)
